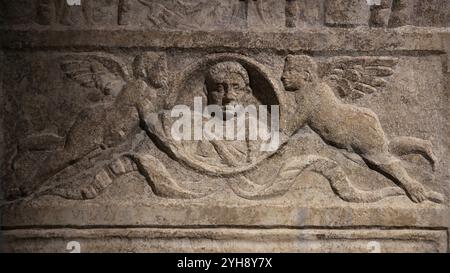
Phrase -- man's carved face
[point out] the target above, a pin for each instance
(228, 91)
(228, 84)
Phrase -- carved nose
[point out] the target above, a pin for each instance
(230, 94)
(228, 99)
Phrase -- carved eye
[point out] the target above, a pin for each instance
(236, 86)
(219, 88)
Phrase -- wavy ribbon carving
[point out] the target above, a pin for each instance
(291, 170)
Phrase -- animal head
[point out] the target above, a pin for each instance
(299, 72)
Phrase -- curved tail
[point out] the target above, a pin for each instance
(287, 175)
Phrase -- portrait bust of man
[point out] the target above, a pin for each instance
(226, 89)
(228, 86)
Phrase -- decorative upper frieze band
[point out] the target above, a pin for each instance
(258, 15)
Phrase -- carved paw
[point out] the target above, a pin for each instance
(416, 192)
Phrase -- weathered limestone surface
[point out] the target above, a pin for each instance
(87, 153)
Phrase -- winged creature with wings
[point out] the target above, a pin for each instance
(354, 129)
(106, 128)
(104, 125)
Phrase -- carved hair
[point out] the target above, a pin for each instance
(152, 67)
(302, 62)
(220, 71)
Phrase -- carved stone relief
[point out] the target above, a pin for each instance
(229, 14)
(360, 104)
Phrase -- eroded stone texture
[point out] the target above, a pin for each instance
(87, 132)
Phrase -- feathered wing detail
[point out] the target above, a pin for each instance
(355, 77)
(95, 70)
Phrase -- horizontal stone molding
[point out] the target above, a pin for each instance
(226, 240)
(206, 215)
(313, 40)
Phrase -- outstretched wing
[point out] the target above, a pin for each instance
(355, 77)
(95, 70)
